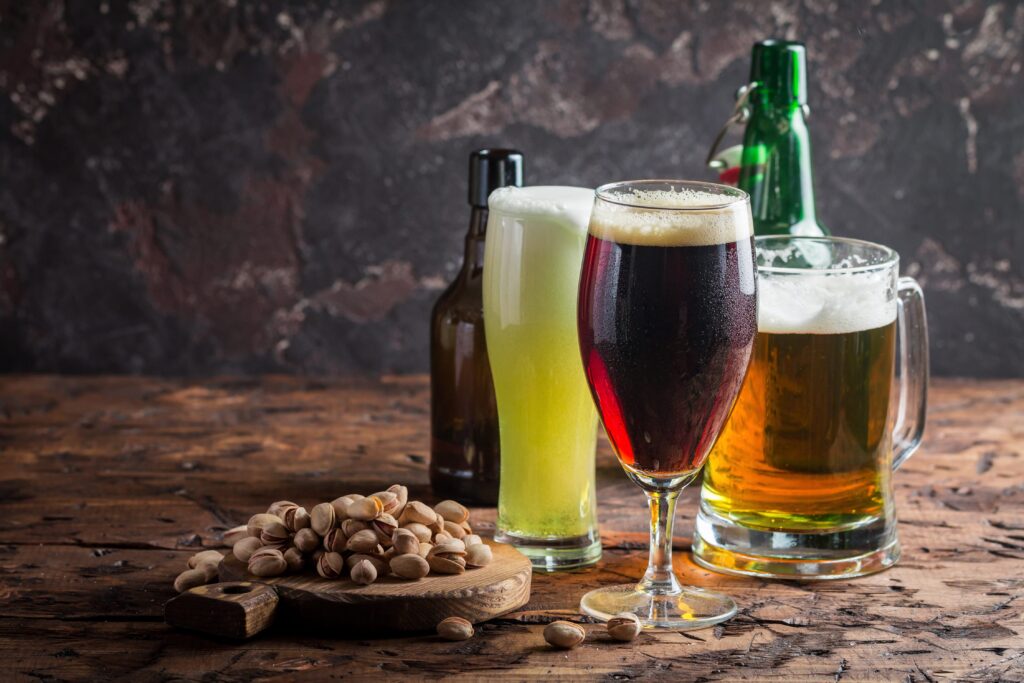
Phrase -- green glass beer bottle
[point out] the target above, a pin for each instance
(775, 168)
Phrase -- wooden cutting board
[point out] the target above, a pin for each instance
(243, 605)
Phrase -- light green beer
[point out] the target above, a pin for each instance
(546, 417)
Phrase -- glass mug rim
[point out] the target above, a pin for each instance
(730, 195)
(888, 256)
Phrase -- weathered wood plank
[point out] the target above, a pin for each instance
(107, 484)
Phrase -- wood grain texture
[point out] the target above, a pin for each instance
(107, 485)
(393, 605)
(228, 609)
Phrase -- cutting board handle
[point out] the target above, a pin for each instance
(233, 609)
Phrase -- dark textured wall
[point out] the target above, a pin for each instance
(221, 186)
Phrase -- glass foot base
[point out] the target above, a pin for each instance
(723, 545)
(690, 609)
(558, 554)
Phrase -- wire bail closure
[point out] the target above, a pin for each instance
(740, 114)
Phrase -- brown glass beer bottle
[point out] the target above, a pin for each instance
(464, 451)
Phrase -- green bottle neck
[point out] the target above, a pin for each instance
(775, 169)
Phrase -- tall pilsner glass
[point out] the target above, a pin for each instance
(667, 319)
(546, 420)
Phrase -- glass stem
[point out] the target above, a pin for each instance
(659, 578)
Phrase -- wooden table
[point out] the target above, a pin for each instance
(107, 485)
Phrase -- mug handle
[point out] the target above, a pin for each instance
(913, 374)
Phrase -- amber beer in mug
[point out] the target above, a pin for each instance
(800, 482)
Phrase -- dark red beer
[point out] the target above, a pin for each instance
(666, 332)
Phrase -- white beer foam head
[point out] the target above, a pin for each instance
(825, 304)
(685, 217)
(572, 204)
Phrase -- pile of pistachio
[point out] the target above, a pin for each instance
(361, 537)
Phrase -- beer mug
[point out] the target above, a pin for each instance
(799, 485)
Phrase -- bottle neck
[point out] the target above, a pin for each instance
(473, 261)
(775, 169)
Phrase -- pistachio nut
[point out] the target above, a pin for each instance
(425, 549)
(437, 526)
(330, 565)
(420, 531)
(244, 548)
(267, 562)
(409, 566)
(455, 628)
(235, 534)
(478, 555)
(353, 526)
(364, 541)
(388, 554)
(454, 530)
(275, 535)
(189, 579)
(321, 518)
(363, 572)
(417, 512)
(296, 518)
(340, 505)
(258, 521)
(295, 560)
(403, 498)
(624, 626)
(404, 541)
(306, 540)
(335, 541)
(376, 560)
(445, 564)
(466, 527)
(453, 547)
(471, 539)
(280, 507)
(365, 509)
(384, 526)
(388, 501)
(443, 538)
(564, 634)
(452, 511)
(204, 557)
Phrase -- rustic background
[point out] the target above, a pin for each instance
(202, 186)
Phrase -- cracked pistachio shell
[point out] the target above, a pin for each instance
(365, 509)
(330, 565)
(624, 626)
(267, 562)
(258, 521)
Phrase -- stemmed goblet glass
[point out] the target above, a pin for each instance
(667, 315)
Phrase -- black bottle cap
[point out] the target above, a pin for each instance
(490, 169)
(779, 67)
